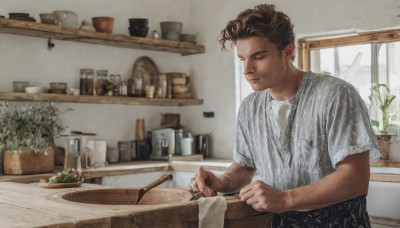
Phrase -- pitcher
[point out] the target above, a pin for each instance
(72, 155)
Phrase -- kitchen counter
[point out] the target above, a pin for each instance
(28, 205)
(385, 174)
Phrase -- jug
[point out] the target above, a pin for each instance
(67, 19)
(203, 144)
(72, 155)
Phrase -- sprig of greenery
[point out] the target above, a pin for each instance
(34, 125)
(381, 98)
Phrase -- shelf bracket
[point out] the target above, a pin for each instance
(50, 45)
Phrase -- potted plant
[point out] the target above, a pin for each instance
(27, 136)
(380, 101)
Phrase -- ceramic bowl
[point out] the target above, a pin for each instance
(171, 36)
(171, 26)
(188, 38)
(140, 32)
(139, 22)
(19, 86)
(103, 24)
(48, 18)
(67, 19)
(35, 89)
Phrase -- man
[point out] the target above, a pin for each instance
(307, 135)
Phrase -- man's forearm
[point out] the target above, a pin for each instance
(235, 178)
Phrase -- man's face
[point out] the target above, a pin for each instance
(264, 65)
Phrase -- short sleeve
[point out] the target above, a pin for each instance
(348, 126)
(242, 154)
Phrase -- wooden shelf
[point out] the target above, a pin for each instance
(385, 163)
(34, 29)
(10, 96)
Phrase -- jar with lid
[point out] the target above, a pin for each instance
(101, 74)
(139, 85)
(116, 85)
(89, 81)
(82, 82)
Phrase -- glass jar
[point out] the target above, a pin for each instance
(82, 82)
(101, 74)
(89, 81)
(72, 161)
(139, 83)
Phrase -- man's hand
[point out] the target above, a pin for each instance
(205, 181)
(262, 197)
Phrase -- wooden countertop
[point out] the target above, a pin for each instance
(28, 205)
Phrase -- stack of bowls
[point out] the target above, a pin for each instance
(21, 17)
(138, 27)
(171, 30)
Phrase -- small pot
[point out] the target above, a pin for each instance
(103, 24)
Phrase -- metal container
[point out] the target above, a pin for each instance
(203, 144)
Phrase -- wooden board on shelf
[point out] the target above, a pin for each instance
(34, 29)
(10, 96)
(385, 163)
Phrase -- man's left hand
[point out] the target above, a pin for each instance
(262, 197)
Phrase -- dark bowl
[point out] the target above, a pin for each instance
(138, 21)
(18, 14)
(139, 32)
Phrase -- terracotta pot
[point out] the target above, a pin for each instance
(384, 144)
(28, 162)
(103, 24)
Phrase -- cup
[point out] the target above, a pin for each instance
(149, 91)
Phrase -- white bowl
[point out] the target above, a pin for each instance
(35, 89)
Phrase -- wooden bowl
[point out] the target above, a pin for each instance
(103, 24)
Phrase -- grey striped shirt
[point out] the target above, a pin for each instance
(328, 121)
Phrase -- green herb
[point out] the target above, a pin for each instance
(34, 125)
(62, 178)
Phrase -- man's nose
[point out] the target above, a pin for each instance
(248, 67)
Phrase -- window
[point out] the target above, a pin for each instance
(361, 60)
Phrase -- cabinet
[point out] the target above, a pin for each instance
(33, 29)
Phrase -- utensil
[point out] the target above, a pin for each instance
(196, 195)
(153, 184)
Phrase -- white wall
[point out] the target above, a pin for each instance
(26, 58)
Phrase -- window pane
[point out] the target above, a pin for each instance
(350, 63)
(389, 73)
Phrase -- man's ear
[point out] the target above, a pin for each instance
(288, 52)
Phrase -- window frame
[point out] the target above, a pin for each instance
(305, 45)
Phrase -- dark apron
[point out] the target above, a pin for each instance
(351, 213)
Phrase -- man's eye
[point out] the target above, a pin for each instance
(258, 57)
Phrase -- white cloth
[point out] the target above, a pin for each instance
(212, 212)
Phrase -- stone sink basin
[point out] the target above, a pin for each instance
(127, 196)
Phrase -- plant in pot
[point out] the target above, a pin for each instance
(380, 101)
(27, 136)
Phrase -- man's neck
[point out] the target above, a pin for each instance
(289, 86)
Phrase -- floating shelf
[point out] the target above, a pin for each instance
(10, 96)
(34, 29)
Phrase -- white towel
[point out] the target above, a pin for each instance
(212, 212)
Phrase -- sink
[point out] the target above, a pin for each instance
(127, 196)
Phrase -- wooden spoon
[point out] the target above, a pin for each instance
(153, 184)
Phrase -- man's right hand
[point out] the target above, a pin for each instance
(206, 182)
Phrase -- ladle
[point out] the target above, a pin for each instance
(153, 184)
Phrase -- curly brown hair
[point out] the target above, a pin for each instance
(262, 21)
